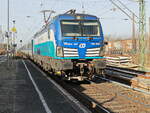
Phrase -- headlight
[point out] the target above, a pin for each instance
(102, 51)
(59, 51)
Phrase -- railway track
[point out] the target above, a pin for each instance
(134, 79)
(123, 75)
(127, 71)
(102, 96)
(111, 97)
(107, 97)
(114, 98)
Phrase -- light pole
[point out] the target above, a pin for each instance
(8, 33)
(149, 37)
(8, 23)
(14, 32)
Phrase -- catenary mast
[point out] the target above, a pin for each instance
(142, 32)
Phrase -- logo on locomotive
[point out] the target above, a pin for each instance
(83, 45)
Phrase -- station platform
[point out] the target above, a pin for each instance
(25, 89)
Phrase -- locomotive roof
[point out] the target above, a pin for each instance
(67, 16)
(76, 15)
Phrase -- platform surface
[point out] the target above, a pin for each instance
(18, 93)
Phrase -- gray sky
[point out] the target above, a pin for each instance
(112, 21)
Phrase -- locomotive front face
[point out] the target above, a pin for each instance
(80, 39)
(73, 46)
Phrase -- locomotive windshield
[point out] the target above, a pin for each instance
(71, 28)
(85, 28)
(90, 28)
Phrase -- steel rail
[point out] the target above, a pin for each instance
(124, 73)
(127, 70)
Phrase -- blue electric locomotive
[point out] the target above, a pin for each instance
(71, 45)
